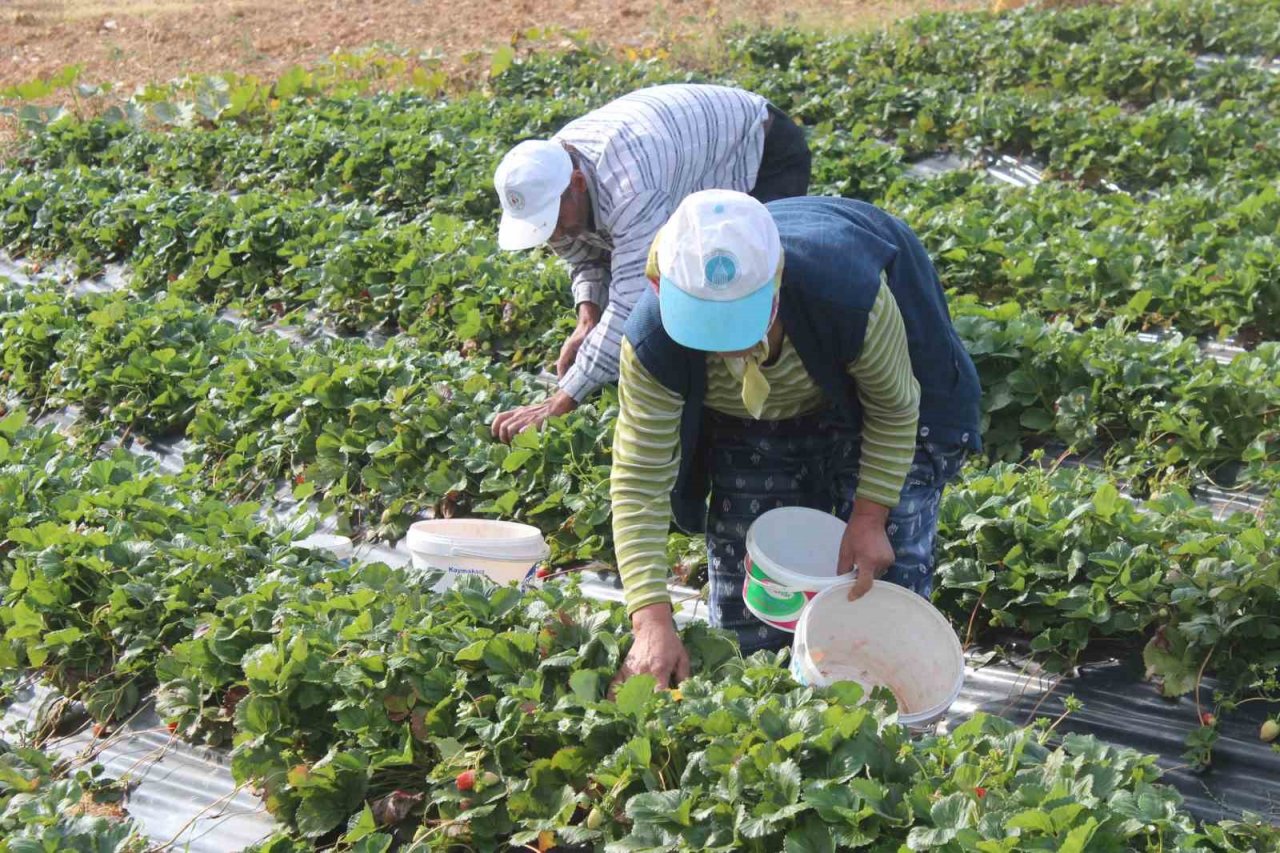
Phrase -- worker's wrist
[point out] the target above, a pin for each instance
(577, 384)
(588, 314)
(651, 617)
(560, 403)
(867, 511)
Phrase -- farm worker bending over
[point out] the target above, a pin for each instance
(599, 190)
(795, 354)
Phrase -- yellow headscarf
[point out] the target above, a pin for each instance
(746, 368)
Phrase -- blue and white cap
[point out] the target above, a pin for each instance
(718, 256)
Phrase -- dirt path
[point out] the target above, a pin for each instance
(140, 41)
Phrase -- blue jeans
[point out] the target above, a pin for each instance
(810, 461)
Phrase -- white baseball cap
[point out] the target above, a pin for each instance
(530, 181)
(718, 256)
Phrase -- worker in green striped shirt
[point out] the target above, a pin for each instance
(794, 354)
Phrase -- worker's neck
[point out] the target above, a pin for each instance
(774, 336)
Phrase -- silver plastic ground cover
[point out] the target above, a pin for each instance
(182, 796)
(1206, 61)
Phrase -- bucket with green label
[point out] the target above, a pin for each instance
(792, 554)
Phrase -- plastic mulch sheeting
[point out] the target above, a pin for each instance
(182, 796)
(1121, 707)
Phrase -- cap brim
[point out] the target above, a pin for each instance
(525, 232)
(709, 326)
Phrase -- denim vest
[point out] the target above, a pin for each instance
(835, 252)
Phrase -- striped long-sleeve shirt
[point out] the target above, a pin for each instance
(646, 443)
(642, 154)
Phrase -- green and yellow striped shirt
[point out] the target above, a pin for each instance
(646, 443)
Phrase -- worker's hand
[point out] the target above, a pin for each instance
(657, 649)
(588, 319)
(865, 546)
(507, 425)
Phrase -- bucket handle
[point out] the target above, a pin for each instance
(455, 551)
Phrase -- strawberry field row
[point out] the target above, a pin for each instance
(361, 711)
(1200, 258)
(385, 432)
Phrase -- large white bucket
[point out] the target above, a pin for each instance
(503, 551)
(891, 637)
(792, 555)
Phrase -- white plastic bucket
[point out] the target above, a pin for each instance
(503, 551)
(891, 637)
(340, 546)
(792, 555)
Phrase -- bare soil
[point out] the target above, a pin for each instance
(134, 42)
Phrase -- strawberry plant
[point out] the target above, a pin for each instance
(46, 806)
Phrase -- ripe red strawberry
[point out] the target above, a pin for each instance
(299, 480)
(542, 573)
(466, 780)
(172, 727)
(980, 791)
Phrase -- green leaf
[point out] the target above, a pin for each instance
(473, 653)
(259, 716)
(319, 814)
(1138, 303)
(502, 59)
(1169, 660)
(1106, 499)
(585, 684)
(954, 811)
(661, 807)
(506, 504)
(291, 82)
(1078, 839)
(949, 815)
(165, 113)
(13, 422)
(640, 751)
(812, 836)
(847, 692)
(221, 265)
(515, 459)
(1036, 419)
(63, 637)
(634, 695)
(503, 658)
(1034, 820)
(784, 781)
(361, 826)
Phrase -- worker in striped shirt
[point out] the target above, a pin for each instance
(598, 191)
(794, 354)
